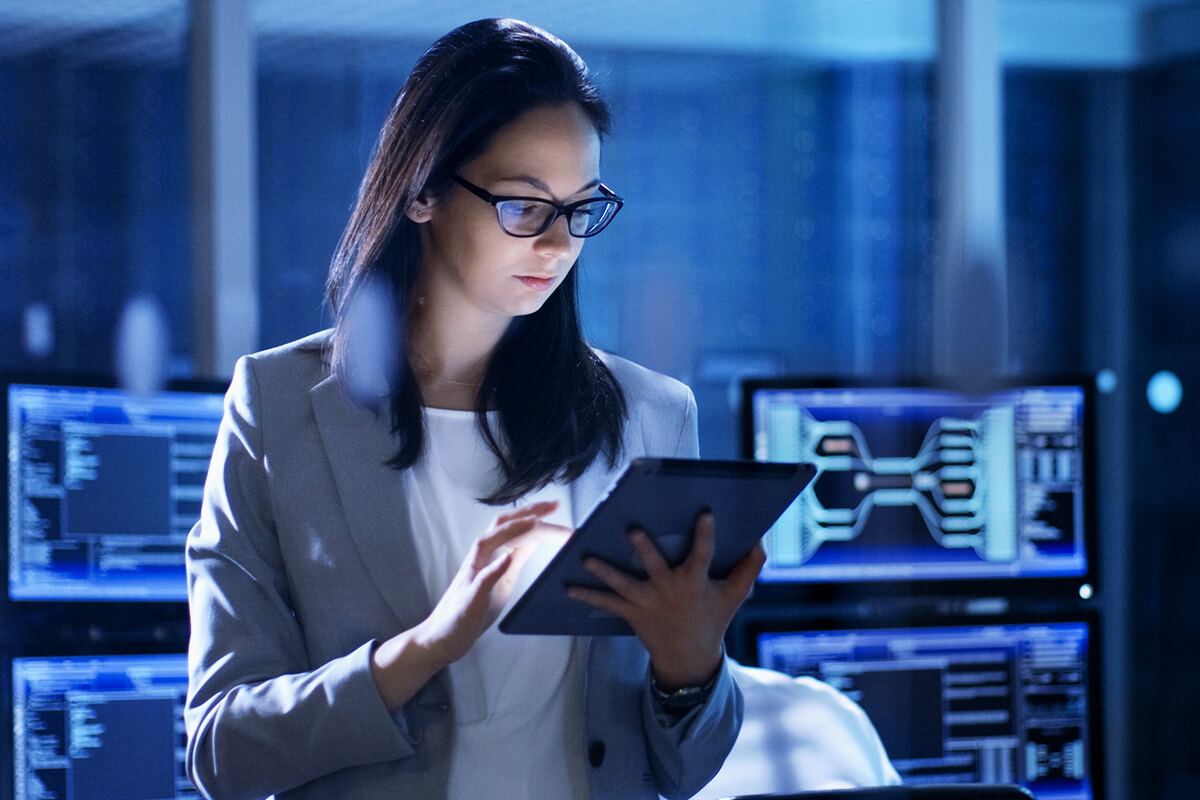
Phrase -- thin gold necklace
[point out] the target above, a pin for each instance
(424, 371)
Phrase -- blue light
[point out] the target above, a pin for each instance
(1164, 391)
(1106, 381)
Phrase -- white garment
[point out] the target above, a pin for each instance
(518, 700)
(798, 735)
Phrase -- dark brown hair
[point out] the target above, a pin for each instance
(559, 405)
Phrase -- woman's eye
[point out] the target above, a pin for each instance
(520, 209)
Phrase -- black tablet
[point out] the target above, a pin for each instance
(662, 496)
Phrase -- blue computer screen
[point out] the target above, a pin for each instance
(103, 487)
(920, 483)
(1003, 703)
(83, 726)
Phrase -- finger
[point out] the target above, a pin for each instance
(614, 578)
(524, 534)
(487, 579)
(537, 533)
(703, 544)
(740, 579)
(605, 601)
(652, 559)
(486, 546)
(549, 532)
(532, 510)
(490, 575)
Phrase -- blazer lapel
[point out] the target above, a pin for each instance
(589, 489)
(358, 442)
(597, 481)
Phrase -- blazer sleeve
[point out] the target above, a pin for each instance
(260, 718)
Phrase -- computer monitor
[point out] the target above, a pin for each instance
(971, 702)
(103, 486)
(84, 725)
(919, 483)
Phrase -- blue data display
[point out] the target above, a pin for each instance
(82, 726)
(103, 488)
(964, 704)
(927, 484)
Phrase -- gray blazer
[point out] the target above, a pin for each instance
(302, 560)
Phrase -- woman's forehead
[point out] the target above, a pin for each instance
(556, 146)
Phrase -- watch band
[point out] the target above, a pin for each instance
(678, 702)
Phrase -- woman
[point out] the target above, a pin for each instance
(379, 492)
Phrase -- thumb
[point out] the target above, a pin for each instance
(487, 578)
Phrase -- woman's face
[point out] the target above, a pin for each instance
(469, 265)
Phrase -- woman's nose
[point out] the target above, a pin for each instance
(556, 241)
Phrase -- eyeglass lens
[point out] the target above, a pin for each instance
(531, 217)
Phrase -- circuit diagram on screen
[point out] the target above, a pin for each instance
(959, 481)
(915, 483)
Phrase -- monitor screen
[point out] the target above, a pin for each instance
(978, 703)
(924, 483)
(80, 723)
(103, 487)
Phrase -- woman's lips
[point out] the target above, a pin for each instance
(536, 283)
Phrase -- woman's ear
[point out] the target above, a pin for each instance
(420, 210)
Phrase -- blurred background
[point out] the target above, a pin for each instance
(874, 189)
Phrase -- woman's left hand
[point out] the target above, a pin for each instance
(680, 614)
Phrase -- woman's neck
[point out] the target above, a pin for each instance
(450, 354)
(440, 391)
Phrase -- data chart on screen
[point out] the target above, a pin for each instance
(101, 726)
(103, 488)
(994, 703)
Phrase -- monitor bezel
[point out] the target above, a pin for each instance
(1063, 588)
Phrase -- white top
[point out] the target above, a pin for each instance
(798, 735)
(518, 700)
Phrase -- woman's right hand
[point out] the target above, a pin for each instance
(480, 590)
(485, 579)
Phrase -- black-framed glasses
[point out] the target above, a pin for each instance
(524, 217)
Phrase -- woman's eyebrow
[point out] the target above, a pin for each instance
(540, 185)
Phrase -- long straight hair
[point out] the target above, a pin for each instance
(559, 405)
